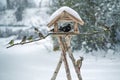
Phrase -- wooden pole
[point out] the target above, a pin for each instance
(72, 57)
(75, 66)
(65, 59)
(57, 68)
(66, 44)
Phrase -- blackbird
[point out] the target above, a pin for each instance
(66, 28)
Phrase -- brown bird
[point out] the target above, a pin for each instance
(79, 62)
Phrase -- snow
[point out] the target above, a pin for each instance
(37, 61)
(31, 17)
(67, 9)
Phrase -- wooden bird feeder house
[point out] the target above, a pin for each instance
(65, 15)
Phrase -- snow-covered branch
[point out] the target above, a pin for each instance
(52, 33)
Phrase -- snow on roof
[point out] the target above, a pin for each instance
(67, 9)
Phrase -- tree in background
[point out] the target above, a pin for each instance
(99, 15)
(9, 5)
(19, 13)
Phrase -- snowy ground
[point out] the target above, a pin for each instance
(37, 61)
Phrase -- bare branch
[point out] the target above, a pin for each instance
(55, 33)
(28, 41)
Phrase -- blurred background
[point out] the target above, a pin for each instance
(18, 17)
(37, 60)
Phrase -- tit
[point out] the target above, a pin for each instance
(106, 28)
(11, 42)
(24, 39)
(30, 38)
(36, 29)
(40, 35)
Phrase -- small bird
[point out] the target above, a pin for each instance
(52, 30)
(36, 29)
(66, 28)
(79, 62)
(11, 42)
(23, 40)
(60, 29)
(40, 35)
(30, 38)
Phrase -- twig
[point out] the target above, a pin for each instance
(28, 41)
(56, 33)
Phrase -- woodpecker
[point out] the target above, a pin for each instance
(79, 62)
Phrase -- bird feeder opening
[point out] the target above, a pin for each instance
(65, 20)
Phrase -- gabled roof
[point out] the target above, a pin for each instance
(64, 13)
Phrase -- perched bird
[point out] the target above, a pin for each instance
(36, 29)
(52, 30)
(11, 42)
(30, 38)
(60, 29)
(66, 28)
(40, 35)
(106, 28)
(79, 62)
(24, 39)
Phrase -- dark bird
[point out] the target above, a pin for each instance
(36, 29)
(40, 35)
(23, 40)
(60, 29)
(66, 28)
(30, 38)
(52, 30)
(11, 42)
(106, 28)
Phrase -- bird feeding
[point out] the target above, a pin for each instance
(65, 15)
(71, 19)
(66, 28)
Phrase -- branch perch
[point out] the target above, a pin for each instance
(58, 34)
